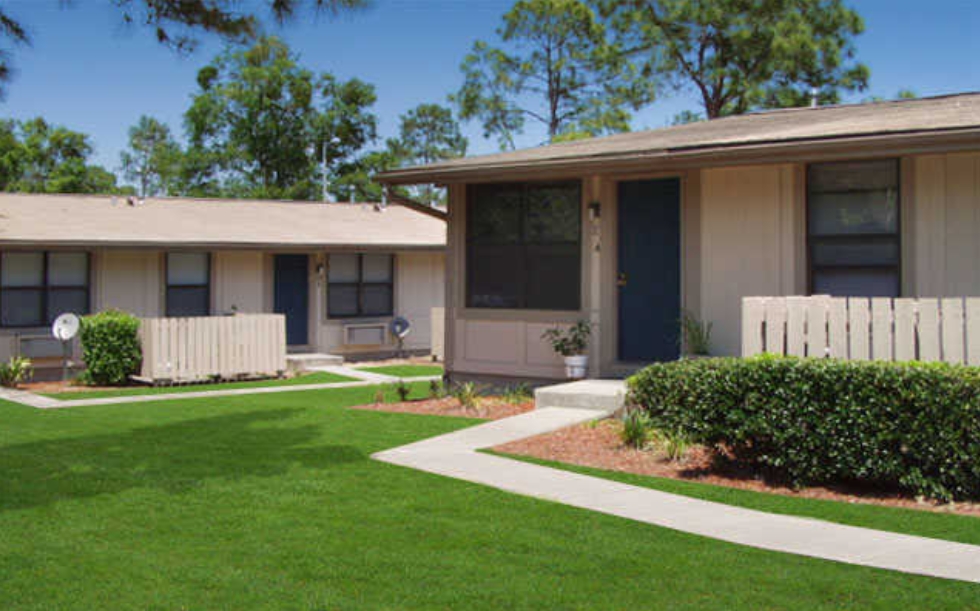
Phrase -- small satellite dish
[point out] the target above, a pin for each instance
(65, 326)
(400, 327)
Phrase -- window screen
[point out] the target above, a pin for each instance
(188, 284)
(853, 228)
(360, 285)
(523, 246)
(36, 287)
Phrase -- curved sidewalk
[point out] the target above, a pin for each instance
(455, 455)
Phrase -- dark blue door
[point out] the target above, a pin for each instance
(649, 276)
(292, 296)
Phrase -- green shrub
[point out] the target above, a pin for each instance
(402, 389)
(18, 370)
(110, 347)
(467, 393)
(636, 429)
(910, 426)
(436, 390)
(518, 394)
(673, 444)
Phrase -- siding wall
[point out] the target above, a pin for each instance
(128, 280)
(943, 233)
(752, 237)
(238, 281)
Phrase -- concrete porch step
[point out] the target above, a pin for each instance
(309, 360)
(604, 395)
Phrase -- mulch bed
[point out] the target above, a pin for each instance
(488, 408)
(599, 446)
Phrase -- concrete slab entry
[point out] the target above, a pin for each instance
(603, 395)
(455, 455)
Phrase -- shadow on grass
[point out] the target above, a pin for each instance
(174, 457)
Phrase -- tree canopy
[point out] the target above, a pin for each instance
(152, 161)
(741, 55)
(553, 66)
(260, 123)
(428, 133)
(37, 157)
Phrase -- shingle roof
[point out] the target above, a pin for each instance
(106, 221)
(798, 125)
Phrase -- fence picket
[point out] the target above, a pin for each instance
(953, 331)
(881, 329)
(904, 329)
(816, 327)
(837, 328)
(858, 327)
(796, 326)
(753, 320)
(973, 330)
(928, 330)
(775, 326)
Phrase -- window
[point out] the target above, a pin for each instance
(35, 287)
(853, 228)
(523, 246)
(188, 284)
(360, 285)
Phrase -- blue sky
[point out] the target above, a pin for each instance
(89, 72)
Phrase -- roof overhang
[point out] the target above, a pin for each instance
(28, 242)
(848, 147)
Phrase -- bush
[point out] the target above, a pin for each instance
(18, 370)
(636, 429)
(910, 426)
(110, 347)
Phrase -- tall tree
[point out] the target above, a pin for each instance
(260, 124)
(153, 158)
(428, 133)
(740, 55)
(37, 157)
(176, 23)
(554, 67)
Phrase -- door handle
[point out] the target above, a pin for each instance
(621, 279)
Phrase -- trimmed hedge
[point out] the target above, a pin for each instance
(911, 426)
(110, 347)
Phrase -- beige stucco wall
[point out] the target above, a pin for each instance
(942, 226)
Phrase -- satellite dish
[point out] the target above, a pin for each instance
(400, 327)
(65, 326)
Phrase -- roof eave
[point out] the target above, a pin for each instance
(908, 142)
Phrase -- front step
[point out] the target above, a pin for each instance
(604, 395)
(297, 363)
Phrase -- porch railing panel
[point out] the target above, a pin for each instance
(858, 328)
(200, 348)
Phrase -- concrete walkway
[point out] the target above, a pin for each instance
(454, 455)
(361, 378)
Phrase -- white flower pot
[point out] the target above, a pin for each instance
(576, 367)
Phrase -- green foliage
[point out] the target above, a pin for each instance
(428, 133)
(37, 157)
(18, 369)
(260, 125)
(739, 56)
(673, 444)
(153, 159)
(467, 393)
(518, 394)
(636, 429)
(436, 391)
(555, 67)
(110, 347)
(695, 335)
(571, 341)
(910, 426)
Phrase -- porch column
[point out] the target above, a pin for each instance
(593, 244)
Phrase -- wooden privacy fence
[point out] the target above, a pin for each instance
(438, 326)
(201, 348)
(858, 328)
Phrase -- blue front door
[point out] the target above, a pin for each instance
(649, 275)
(292, 296)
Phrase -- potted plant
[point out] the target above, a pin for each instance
(572, 343)
(695, 337)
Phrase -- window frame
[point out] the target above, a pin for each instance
(167, 286)
(45, 287)
(359, 286)
(812, 240)
(523, 243)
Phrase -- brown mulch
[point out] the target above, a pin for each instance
(488, 408)
(599, 446)
(60, 386)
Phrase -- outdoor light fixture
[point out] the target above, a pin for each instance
(595, 210)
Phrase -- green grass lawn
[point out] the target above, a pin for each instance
(318, 377)
(271, 502)
(406, 371)
(952, 527)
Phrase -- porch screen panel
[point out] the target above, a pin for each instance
(188, 284)
(853, 228)
(523, 246)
